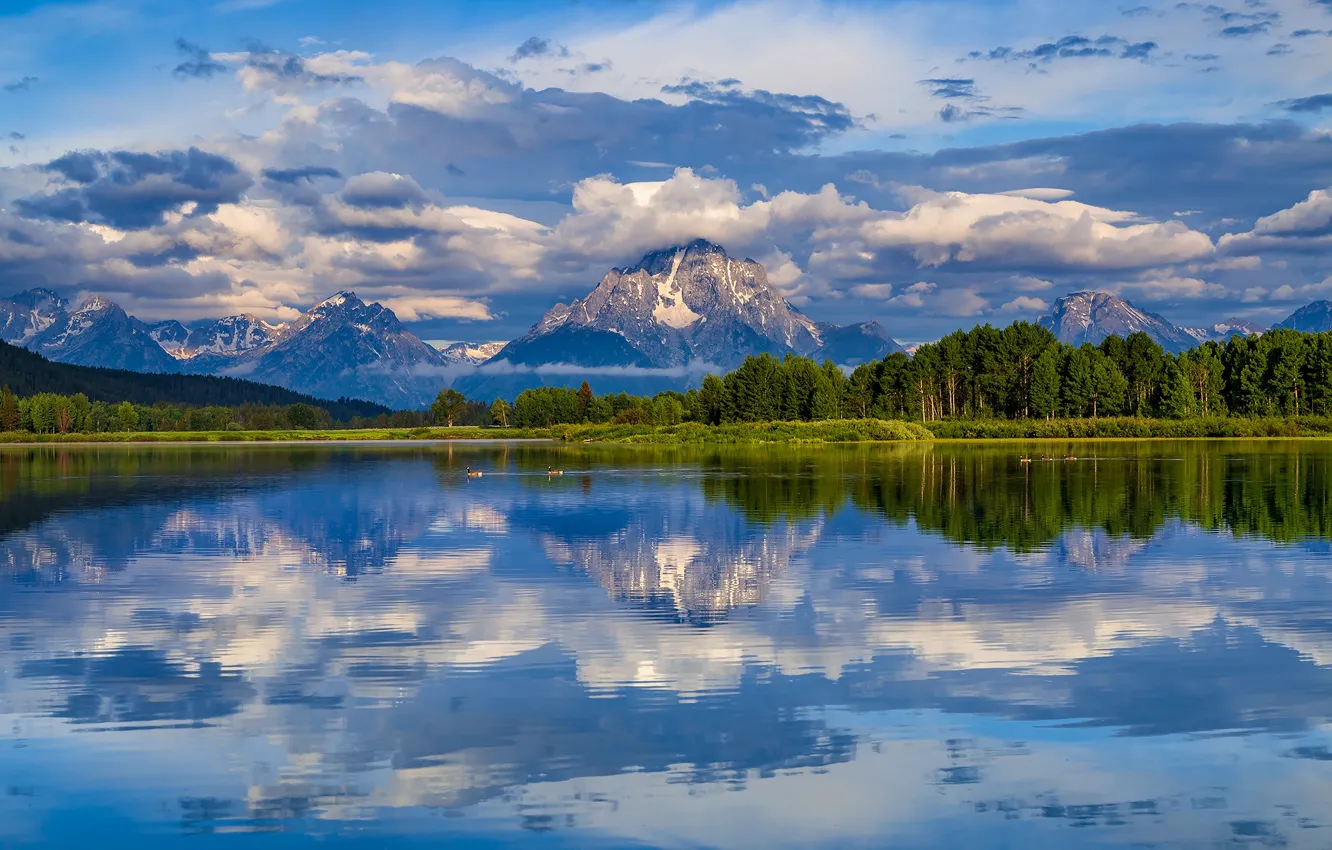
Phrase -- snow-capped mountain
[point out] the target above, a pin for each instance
(171, 335)
(471, 353)
(1092, 316)
(345, 347)
(685, 304)
(99, 333)
(1311, 318)
(27, 314)
(1224, 330)
(341, 347)
(217, 345)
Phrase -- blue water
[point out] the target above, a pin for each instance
(895, 646)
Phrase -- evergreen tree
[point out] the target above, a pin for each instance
(9, 411)
(499, 413)
(1177, 400)
(1044, 390)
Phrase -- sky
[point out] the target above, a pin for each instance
(933, 165)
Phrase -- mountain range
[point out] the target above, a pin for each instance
(660, 323)
(1092, 316)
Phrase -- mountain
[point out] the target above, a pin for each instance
(684, 309)
(855, 344)
(28, 373)
(171, 335)
(27, 314)
(1311, 318)
(1092, 316)
(675, 306)
(99, 333)
(340, 347)
(1224, 330)
(473, 353)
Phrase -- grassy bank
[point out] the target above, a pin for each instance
(693, 433)
(752, 433)
(283, 436)
(1131, 428)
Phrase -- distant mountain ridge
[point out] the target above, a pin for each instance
(341, 347)
(682, 309)
(27, 373)
(1090, 317)
(1315, 317)
(688, 303)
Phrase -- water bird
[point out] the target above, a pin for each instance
(1024, 460)
(474, 473)
(550, 471)
(1070, 457)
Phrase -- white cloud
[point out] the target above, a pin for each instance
(1026, 304)
(411, 308)
(872, 290)
(945, 227)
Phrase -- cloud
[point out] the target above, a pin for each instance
(1026, 304)
(872, 290)
(1312, 103)
(1305, 226)
(381, 189)
(535, 47)
(1245, 30)
(297, 175)
(126, 189)
(1006, 231)
(1072, 47)
(263, 68)
(412, 308)
(199, 63)
(1280, 50)
(22, 84)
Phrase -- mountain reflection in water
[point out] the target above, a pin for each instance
(910, 645)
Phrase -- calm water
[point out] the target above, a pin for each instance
(890, 646)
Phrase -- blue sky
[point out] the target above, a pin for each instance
(933, 164)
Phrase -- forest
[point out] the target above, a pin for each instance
(27, 373)
(1015, 373)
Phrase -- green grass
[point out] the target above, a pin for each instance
(693, 433)
(751, 433)
(281, 436)
(1131, 428)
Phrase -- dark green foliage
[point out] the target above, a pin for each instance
(28, 374)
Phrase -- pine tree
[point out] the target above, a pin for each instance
(585, 397)
(1045, 383)
(9, 411)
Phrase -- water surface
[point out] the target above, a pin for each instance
(1125, 645)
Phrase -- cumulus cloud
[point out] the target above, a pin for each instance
(1007, 231)
(1305, 226)
(1026, 304)
(126, 189)
(411, 308)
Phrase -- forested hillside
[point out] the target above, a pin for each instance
(27, 374)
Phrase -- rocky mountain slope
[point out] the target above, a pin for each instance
(1092, 316)
(471, 353)
(1311, 318)
(341, 347)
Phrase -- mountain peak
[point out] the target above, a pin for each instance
(1089, 316)
(338, 299)
(1314, 317)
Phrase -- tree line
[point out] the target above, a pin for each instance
(52, 413)
(1018, 372)
(28, 373)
